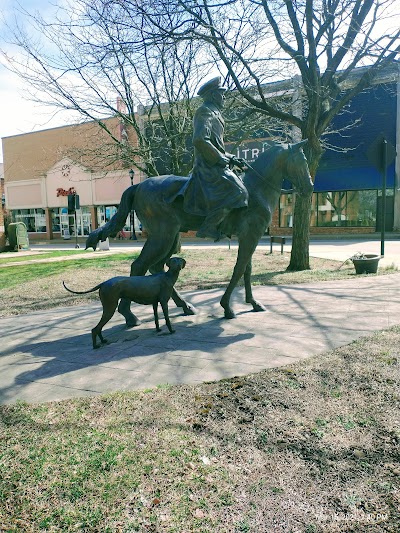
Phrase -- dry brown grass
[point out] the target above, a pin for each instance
(38, 286)
(317, 443)
(311, 447)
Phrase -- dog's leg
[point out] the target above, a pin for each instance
(109, 308)
(164, 305)
(155, 309)
(152, 251)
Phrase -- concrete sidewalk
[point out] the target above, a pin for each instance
(334, 248)
(48, 356)
(345, 249)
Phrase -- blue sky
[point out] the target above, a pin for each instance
(17, 114)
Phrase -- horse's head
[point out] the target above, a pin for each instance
(297, 169)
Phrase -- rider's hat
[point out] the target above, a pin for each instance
(211, 85)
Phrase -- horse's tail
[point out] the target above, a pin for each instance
(117, 222)
(82, 292)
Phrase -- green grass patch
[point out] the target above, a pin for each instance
(38, 285)
(17, 275)
(24, 256)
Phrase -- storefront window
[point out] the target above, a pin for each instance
(346, 209)
(106, 212)
(286, 210)
(334, 209)
(314, 210)
(286, 207)
(64, 222)
(34, 219)
(367, 204)
(55, 220)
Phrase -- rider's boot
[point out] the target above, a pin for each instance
(209, 228)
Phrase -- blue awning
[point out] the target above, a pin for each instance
(353, 179)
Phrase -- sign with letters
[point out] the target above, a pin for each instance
(63, 192)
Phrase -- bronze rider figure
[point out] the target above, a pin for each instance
(213, 189)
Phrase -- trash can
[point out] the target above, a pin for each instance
(66, 234)
(18, 236)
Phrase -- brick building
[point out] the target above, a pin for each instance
(43, 168)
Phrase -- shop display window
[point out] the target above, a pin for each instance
(34, 219)
(334, 209)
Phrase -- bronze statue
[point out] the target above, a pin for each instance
(159, 205)
(146, 290)
(213, 188)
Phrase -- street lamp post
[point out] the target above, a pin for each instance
(132, 220)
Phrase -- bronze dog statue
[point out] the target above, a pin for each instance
(140, 289)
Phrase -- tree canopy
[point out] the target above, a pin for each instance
(152, 56)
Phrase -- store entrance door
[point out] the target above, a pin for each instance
(83, 222)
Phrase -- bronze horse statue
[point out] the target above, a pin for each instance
(159, 207)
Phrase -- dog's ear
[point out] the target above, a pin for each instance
(168, 263)
(184, 263)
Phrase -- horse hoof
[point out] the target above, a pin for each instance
(131, 323)
(229, 314)
(257, 307)
(189, 310)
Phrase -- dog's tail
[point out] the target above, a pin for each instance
(83, 292)
(117, 222)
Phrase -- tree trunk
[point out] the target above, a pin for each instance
(300, 256)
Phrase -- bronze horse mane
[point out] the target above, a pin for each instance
(159, 207)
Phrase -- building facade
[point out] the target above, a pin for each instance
(347, 196)
(2, 210)
(43, 169)
(41, 174)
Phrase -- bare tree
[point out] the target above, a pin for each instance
(318, 44)
(147, 56)
(339, 202)
(91, 60)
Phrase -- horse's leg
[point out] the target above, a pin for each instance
(247, 245)
(139, 267)
(158, 266)
(188, 309)
(257, 306)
